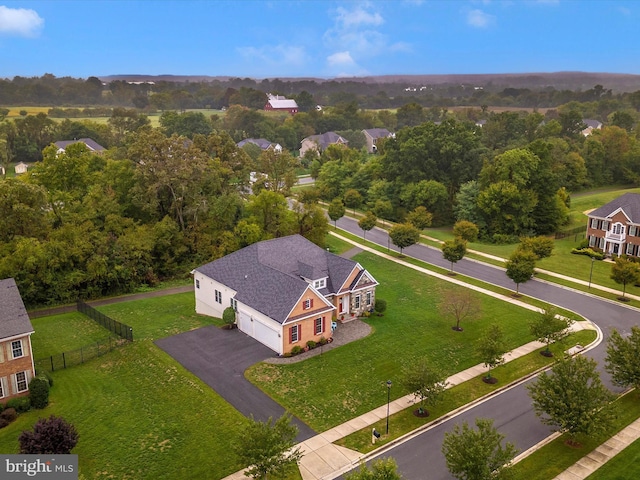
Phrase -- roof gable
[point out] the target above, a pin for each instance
(14, 319)
(269, 276)
(377, 132)
(89, 142)
(629, 204)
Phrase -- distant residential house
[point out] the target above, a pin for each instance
(285, 291)
(373, 134)
(280, 103)
(92, 145)
(320, 142)
(614, 228)
(21, 168)
(591, 125)
(481, 123)
(262, 143)
(16, 360)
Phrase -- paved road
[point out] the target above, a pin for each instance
(219, 358)
(512, 411)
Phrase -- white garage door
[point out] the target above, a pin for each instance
(266, 335)
(244, 323)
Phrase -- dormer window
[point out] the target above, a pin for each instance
(320, 283)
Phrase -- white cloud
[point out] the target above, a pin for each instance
(340, 59)
(20, 21)
(480, 19)
(358, 16)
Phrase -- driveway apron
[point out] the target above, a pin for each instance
(219, 358)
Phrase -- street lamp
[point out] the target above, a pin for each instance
(388, 399)
(591, 272)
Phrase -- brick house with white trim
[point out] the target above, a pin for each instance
(614, 228)
(16, 360)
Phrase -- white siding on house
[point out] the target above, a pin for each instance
(205, 289)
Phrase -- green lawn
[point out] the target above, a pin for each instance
(62, 333)
(138, 412)
(349, 381)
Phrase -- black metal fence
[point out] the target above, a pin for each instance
(120, 329)
(573, 231)
(81, 355)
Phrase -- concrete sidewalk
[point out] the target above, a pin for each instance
(601, 455)
(322, 460)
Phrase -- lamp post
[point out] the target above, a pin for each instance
(591, 272)
(388, 399)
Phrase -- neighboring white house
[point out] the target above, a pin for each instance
(372, 135)
(21, 168)
(591, 125)
(91, 144)
(263, 143)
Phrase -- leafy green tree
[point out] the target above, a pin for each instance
(454, 250)
(380, 306)
(466, 204)
(430, 194)
(507, 208)
(410, 115)
(383, 209)
(269, 210)
(336, 211)
(280, 169)
(50, 436)
(352, 199)
(520, 267)
(187, 124)
(424, 381)
(625, 271)
(420, 218)
(623, 358)
(311, 222)
(404, 235)
(268, 447)
(477, 454)
(492, 348)
(24, 210)
(381, 469)
(460, 304)
(541, 246)
(572, 399)
(549, 327)
(466, 230)
(367, 222)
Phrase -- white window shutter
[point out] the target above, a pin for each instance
(14, 383)
(1, 353)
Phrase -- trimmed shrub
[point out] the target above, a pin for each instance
(297, 350)
(48, 376)
(53, 436)
(39, 392)
(311, 344)
(1, 407)
(380, 306)
(322, 341)
(9, 414)
(588, 252)
(3, 422)
(503, 239)
(20, 404)
(229, 316)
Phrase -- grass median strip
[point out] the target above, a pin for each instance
(455, 397)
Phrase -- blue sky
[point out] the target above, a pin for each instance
(317, 38)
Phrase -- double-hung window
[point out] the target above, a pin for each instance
(21, 382)
(294, 333)
(357, 302)
(16, 349)
(218, 295)
(319, 325)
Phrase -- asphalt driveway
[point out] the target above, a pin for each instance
(219, 358)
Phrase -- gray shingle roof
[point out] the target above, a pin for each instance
(14, 319)
(260, 142)
(325, 139)
(629, 203)
(90, 143)
(267, 275)
(378, 132)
